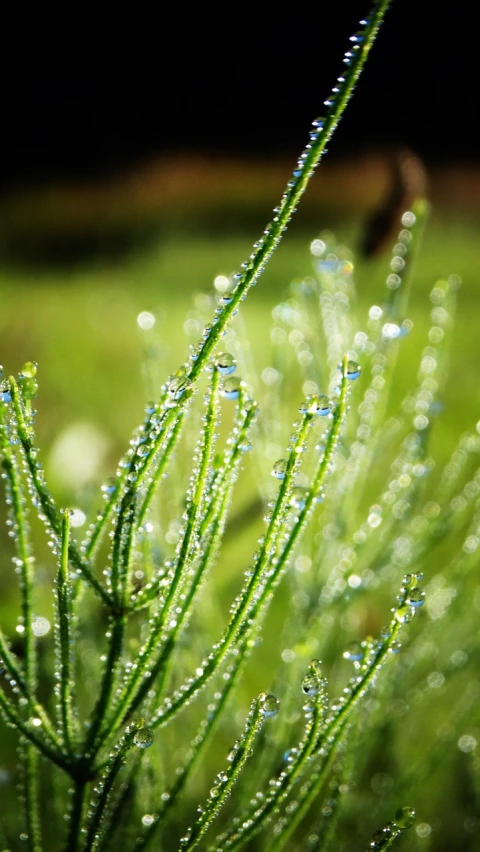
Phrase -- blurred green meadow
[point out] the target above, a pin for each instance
(79, 320)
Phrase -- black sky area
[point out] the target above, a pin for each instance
(80, 103)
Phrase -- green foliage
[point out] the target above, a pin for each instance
(127, 720)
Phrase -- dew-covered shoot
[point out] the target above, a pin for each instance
(129, 683)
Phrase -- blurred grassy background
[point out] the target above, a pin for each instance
(80, 262)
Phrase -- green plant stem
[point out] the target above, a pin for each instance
(164, 458)
(117, 629)
(30, 666)
(331, 736)
(306, 799)
(242, 613)
(76, 816)
(294, 190)
(196, 506)
(328, 737)
(197, 749)
(10, 663)
(91, 543)
(64, 617)
(24, 553)
(223, 785)
(213, 522)
(252, 824)
(116, 814)
(46, 500)
(241, 618)
(32, 805)
(394, 309)
(12, 716)
(105, 786)
(218, 500)
(122, 550)
(121, 559)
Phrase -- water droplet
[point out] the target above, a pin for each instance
(312, 682)
(310, 685)
(77, 518)
(404, 614)
(467, 743)
(390, 331)
(375, 312)
(269, 704)
(29, 369)
(404, 818)
(177, 387)
(225, 363)
(280, 468)
(232, 754)
(290, 755)
(408, 219)
(109, 486)
(143, 738)
(353, 370)
(323, 405)
(354, 652)
(29, 387)
(231, 387)
(298, 498)
(320, 405)
(416, 597)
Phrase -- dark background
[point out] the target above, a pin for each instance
(82, 100)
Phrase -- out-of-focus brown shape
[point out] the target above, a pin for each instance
(408, 181)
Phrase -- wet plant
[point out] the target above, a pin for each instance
(132, 726)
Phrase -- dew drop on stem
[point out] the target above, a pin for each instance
(404, 818)
(279, 469)
(143, 738)
(269, 704)
(225, 363)
(416, 598)
(231, 387)
(354, 651)
(353, 370)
